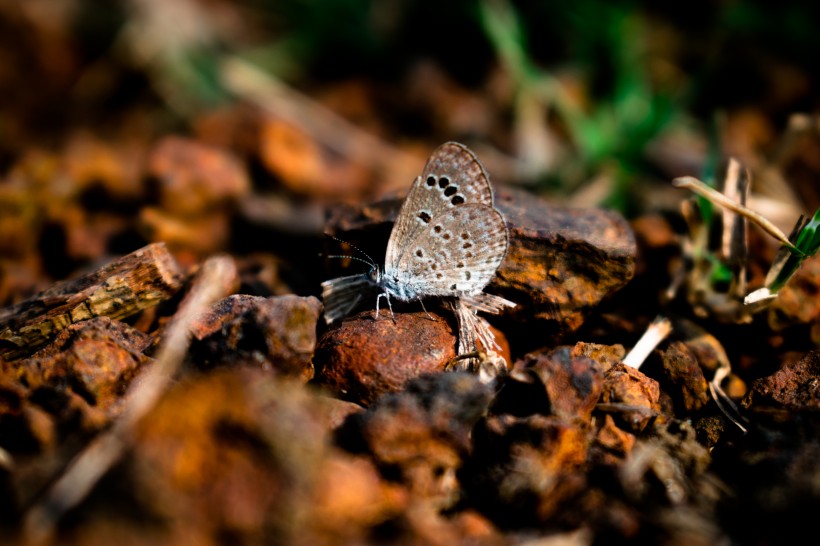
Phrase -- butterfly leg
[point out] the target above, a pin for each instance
(389, 305)
(425, 310)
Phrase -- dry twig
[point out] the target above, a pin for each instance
(660, 328)
(696, 186)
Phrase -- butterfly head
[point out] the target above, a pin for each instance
(375, 274)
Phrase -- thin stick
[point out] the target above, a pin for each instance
(93, 462)
(272, 95)
(693, 184)
(660, 328)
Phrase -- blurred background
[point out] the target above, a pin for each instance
(220, 125)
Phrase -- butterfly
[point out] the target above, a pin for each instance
(448, 241)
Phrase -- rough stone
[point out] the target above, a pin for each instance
(561, 263)
(277, 333)
(795, 386)
(573, 384)
(364, 358)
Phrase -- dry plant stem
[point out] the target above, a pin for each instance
(660, 328)
(213, 282)
(696, 186)
(733, 190)
(338, 134)
(724, 403)
(735, 244)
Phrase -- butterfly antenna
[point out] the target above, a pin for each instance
(348, 257)
(369, 260)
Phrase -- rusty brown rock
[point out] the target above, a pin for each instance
(710, 356)
(705, 347)
(96, 359)
(277, 333)
(432, 528)
(71, 388)
(560, 262)
(633, 396)
(422, 433)
(293, 157)
(689, 387)
(194, 179)
(364, 357)
(242, 453)
(605, 355)
(795, 386)
(524, 469)
(350, 497)
(612, 444)
(573, 384)
(711, 429)
(68, 200)
(234, 451)
(653, 232)
(198, 188)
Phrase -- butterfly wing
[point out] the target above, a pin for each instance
(453, 177)
(343, 294)
(456, 254)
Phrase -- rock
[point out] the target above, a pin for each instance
(276, 333)
(349, 499)
(688, 386)
(572, 384)
(605, 355)
(612, 444)
(524, 469)
(234, 451)
(60, 397)
(337, 411)
(561, 263)
(193, 179)
(667, 468)
(421, 436)
(94, 359)
(773, 472)
(795, 386)
(364, 357)
(631, 394)
(197, 188)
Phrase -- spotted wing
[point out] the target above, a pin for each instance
(452, 177)
(456, 254)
